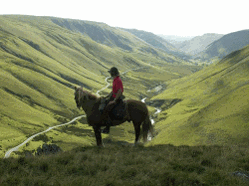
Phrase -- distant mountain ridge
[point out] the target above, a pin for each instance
(152, 39)
(157, 42)
(198, 43)
(99, 32)
(118, 37)
(227, 44)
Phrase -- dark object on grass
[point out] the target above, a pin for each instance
(243, 175)
(47, 149)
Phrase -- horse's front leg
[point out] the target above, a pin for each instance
(97, 132)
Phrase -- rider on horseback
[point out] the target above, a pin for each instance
(114, 97)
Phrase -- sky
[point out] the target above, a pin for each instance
(167, 17)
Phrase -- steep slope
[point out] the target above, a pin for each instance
(41, 62)
(198, 43)
(208, 107)
(227, 44)
(152, 39)
(101, 33)
(157, 42)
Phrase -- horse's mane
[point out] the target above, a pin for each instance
(89, 95)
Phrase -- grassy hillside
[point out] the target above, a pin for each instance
(159, 165)
(227, 44)
(208, 107)
(43, 58)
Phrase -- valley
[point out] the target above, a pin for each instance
(199, 86)
(41, 62)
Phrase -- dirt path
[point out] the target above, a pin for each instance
(7, 154)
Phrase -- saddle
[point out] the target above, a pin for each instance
(119, 110)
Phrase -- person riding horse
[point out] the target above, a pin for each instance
(113, 98)
(129, 110)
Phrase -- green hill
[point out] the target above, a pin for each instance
(43, 58)
(212, 106)
(227, 44)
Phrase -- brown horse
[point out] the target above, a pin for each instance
(90, 104)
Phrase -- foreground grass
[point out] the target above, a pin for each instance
(126, 165)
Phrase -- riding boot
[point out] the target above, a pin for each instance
(106, 130)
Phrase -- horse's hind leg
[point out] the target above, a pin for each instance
(137, 131)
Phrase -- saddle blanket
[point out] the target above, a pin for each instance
(118, 112)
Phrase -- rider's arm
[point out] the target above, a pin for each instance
(119, 93)
(109, 95)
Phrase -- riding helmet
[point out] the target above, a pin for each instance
(114, 71)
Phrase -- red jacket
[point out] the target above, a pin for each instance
(116, 85)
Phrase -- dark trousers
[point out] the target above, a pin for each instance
(107, 110)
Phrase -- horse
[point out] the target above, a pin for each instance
(137, 110)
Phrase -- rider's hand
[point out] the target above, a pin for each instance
(111, 102)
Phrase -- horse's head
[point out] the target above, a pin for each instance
(79, 96)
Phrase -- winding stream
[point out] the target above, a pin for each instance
(7, 154)
(158, 110)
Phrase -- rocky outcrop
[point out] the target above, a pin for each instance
(47, 149)
(241, 174)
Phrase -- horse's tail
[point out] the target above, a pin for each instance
(147, 127)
